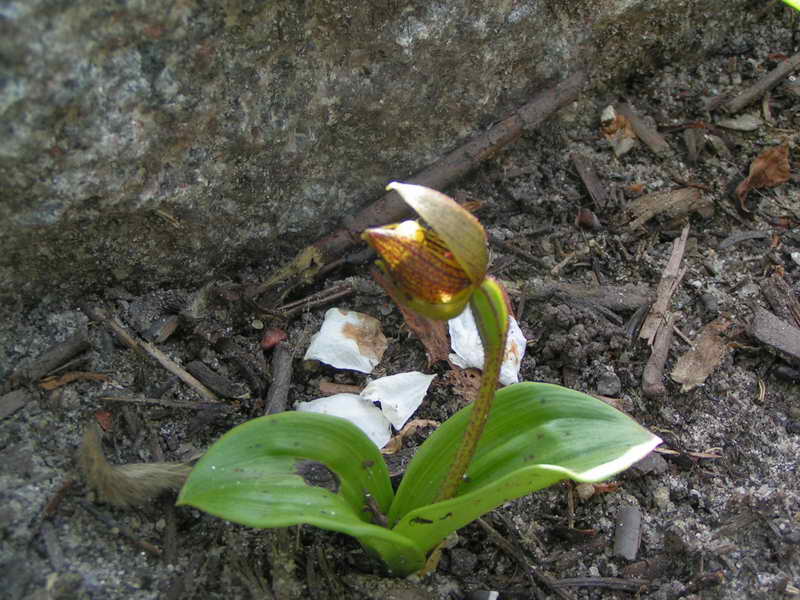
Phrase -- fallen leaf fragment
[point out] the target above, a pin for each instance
(468, 348)
(348, 340)
(410, 428)
(618, 131)
(710, 348)
(771, 168)
(431, 333)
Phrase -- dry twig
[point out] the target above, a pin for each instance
(764, 84)
(135, 343)
(670, 280)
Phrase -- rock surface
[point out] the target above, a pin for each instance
(153, 143)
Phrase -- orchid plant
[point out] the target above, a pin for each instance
(307, 468)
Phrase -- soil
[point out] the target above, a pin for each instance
(719, 505)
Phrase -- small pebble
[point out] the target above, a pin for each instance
(661, 497)
(608, 384)
(713, 266)
(462, 561)
(710, 303)
(584, 490)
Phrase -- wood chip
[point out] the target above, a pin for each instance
(214, 381)
(672, 203)
(670, 280)
(588, 175)
(782, 299)
(776, 333)
(710, 349)
(651, 138)
(745, 122)
(653, 374)
(51, 359)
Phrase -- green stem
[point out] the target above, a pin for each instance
(488, 305)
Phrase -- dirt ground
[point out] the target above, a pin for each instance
(719, 504)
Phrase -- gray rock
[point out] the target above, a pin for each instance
(164, 143)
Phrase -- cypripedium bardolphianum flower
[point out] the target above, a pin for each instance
(258, 474)
(434, 270)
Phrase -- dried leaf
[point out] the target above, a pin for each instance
(51, 383)
(618, 131)
(710, 349)
(432, 333)
(771, 168)
(396, 443)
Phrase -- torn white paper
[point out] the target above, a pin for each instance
(348, 340)
(399, 395)
(356, 409)
(468, 348)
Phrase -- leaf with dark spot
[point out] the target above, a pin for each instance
(316, 474)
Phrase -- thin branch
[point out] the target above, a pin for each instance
(134, 342)
(389, 208)
(764, 84)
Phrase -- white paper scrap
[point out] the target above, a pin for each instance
(399, 395)
(356, 409)
(348, 340)
(467, 347)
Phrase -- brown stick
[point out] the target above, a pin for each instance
(653, 375)
(132, 341)
(588, 175)
(54, 357)
(651, 138)
(765, 83)
(670, 280)
(278, 392)
(390, 208)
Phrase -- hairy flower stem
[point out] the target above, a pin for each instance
(488, 305)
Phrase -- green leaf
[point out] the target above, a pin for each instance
(293, 468)
(537, 434)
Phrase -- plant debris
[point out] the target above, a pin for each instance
(710, 349)
(770, 169)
